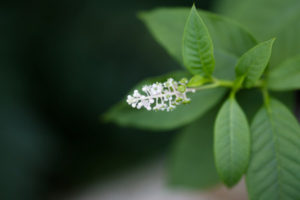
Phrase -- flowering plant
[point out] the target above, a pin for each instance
(165, 95)
(266, 151)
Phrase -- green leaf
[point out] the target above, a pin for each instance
(231, 142)
(191, 161)
(201, 102)
(230, 40)
(285, 76)
(197, 48)
(274, 167)
(253, 63)
(269, 18)
(197, 81)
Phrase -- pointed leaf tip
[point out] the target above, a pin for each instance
(253, 63)
(197, 46)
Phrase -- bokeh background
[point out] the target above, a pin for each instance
(62, 65)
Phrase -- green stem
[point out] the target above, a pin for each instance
(234, 85)
(232, 94)
(216, 83)
(209, 86)
(224, 83)
(266, 96)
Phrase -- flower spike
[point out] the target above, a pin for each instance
(161, 96)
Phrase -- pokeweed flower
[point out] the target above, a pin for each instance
(161, 96)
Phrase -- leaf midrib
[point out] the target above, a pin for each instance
(200, 21)
(274, 140)
(231, 132)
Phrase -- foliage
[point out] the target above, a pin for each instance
(224, 61)
(193, 145)
(267, 19)
(274, 166)
(231, 142)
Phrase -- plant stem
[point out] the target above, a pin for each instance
(214, 84)
(229, 84)
(208, 86)
(224, 83)
(266, 96)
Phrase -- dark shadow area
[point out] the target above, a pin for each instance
(63, 64)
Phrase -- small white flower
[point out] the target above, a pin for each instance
(131, 99)
(136, 93)
(156, 88)
(161, 96)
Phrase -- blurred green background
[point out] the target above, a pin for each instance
(63, 64)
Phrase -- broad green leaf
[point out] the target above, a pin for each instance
(201, 102)
(285, 76)
(231, 142)
(191, 161)
(274, 167)
(229, 39)
(253, 63)
(197, 47)
(266, 19)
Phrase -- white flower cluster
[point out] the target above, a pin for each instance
(161, 96)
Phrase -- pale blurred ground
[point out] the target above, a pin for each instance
(149, 183)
